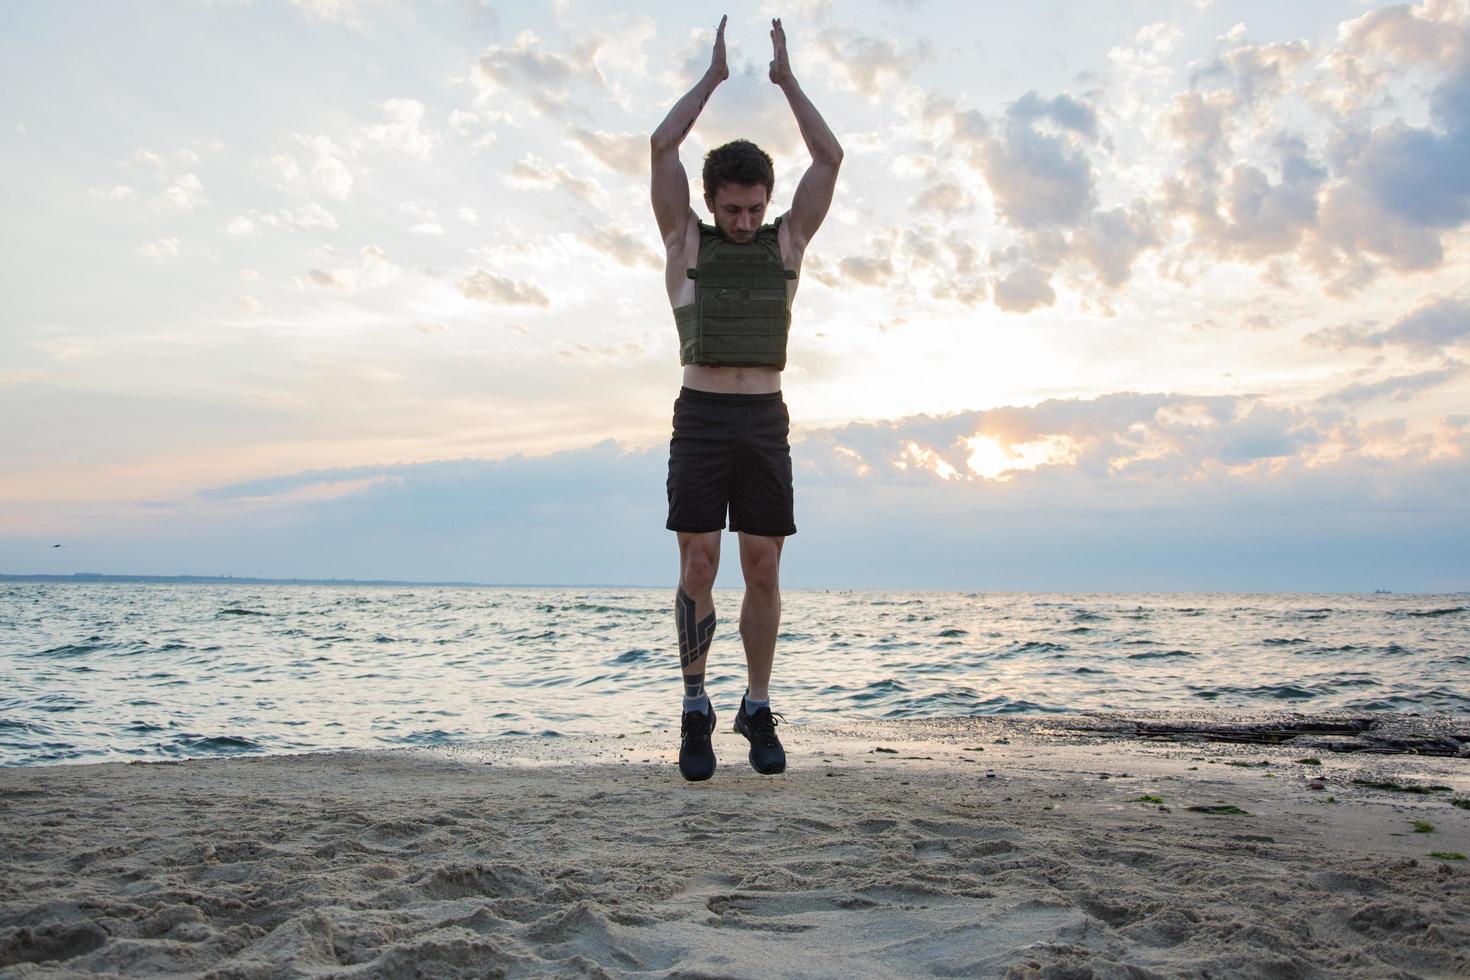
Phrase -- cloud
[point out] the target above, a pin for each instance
(1198, 491)
(874, 271)
(374, 269)
(945, 197)
(1112, 240)
(623, 246)
(541, 76)
(185, 193)
(286, 166)
(328, 171)
(428, 223)
(490, 288)
(1024, 288)
(348, 12)
(405, 130)
(866, 64)
(534, 173)
(1403, 387)
(624, 153)
(160, 248)
(1432, 328)
(328, 281)
(1042, 179)
(306, 218)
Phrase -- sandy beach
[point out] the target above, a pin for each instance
(1073, 846)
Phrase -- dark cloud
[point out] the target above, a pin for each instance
(1399, 187)
(1403, 387)
(1184, 485)
(1062, 109)
(1042, 179)
(1112, 240)
(1430, 329)
(1024, 288)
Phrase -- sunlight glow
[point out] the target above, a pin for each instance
(926, 459)
(991, 459)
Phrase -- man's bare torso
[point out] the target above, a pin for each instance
(735, 380)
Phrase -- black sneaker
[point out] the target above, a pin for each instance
(767, 757)
(696, 754)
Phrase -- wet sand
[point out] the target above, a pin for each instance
(1068, 846)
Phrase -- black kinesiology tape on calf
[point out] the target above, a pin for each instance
(694, 638)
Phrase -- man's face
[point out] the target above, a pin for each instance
(739, 210)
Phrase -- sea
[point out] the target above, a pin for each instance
(93, 672)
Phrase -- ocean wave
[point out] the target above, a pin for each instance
(1419, 613)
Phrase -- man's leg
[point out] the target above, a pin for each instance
(760, 621)
(694, 622)
(694, 606)
(760, 613)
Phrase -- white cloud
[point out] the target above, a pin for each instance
(374, 269)
(348, 12)
(286, 166)
(624, 153)
(487, 287)
(161, 247)
(404, 131)
(533, 172)
(329, 280)
(305, 218)
(185, 193)
(863, 63)
(625, 247)
(328, 171)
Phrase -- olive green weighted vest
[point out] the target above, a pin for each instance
(740, 316)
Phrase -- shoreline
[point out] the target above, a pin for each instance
(991, 846)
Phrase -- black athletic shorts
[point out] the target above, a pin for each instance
(730, 451)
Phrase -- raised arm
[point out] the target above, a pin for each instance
(814, 192)
(670, 182)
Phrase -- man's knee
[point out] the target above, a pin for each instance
(698, 563)
(760, 561)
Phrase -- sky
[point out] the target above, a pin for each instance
(1122, 295)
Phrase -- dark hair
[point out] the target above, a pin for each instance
(738, 162)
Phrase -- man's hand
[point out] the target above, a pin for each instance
(717, 65)
(780, 67)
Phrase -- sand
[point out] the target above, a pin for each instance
(976, 847)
